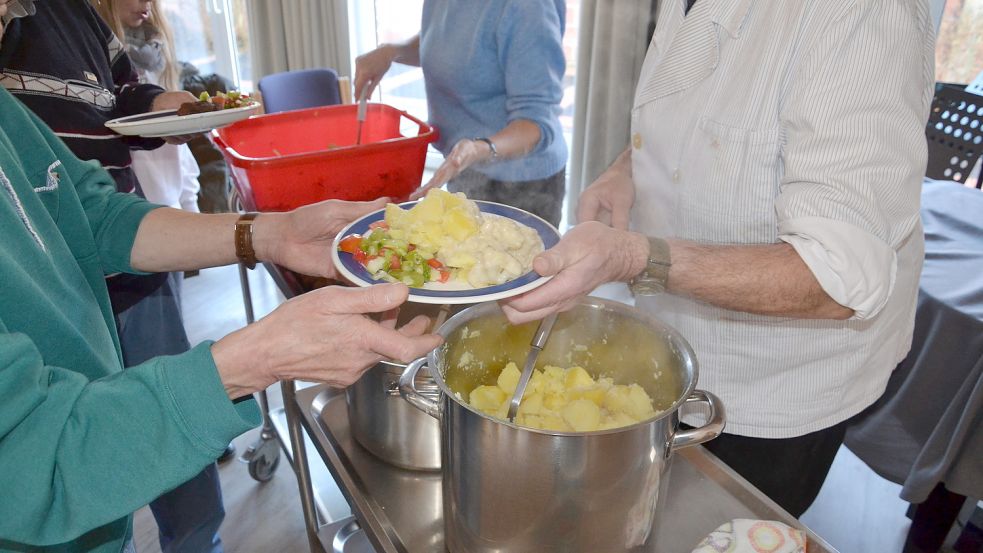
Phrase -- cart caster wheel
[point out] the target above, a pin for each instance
(261, 468)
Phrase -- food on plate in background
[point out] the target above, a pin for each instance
(445, 238)
(191, 108)
(565, 400)
(219, 101)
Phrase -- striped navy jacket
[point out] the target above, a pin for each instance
(69, 68)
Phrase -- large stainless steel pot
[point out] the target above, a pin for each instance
(512, 489)
(386, 425)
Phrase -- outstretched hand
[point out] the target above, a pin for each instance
(465, 154)
(322, 336)
(302, 239)
(173, 100)
(589, 255)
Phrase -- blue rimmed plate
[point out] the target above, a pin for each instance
(449, 293)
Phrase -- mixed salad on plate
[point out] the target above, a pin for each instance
(221, 100)
(444, 239)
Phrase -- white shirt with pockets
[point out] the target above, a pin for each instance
(797, 121)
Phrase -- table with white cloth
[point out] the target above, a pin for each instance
(926, 431)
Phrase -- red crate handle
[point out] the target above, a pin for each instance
(423, 126)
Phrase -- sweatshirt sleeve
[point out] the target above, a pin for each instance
(113, 216)
(77, 454)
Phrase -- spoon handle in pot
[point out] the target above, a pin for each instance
(538, 343)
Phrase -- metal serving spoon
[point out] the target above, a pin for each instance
(538, 343)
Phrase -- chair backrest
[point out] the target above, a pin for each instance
(307, 88)
(955, 133)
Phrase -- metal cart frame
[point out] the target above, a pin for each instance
(263, 455)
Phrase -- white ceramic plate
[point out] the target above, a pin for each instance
(450, 293)
(168, 123)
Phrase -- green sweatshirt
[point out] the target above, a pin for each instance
(84, 443)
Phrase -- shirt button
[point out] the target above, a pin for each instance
(636, 141)
(675, 176)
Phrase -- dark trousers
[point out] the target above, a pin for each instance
(790, 471)
(149, 322)
(541, 197)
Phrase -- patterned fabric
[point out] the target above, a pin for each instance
(68, 67)
(753, 536)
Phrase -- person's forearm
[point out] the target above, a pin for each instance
(517, 139)
(407, 52)
(766, 280)
(174, 240)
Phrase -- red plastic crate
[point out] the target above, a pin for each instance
(285, 160)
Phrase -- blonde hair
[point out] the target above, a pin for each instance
(157, 26)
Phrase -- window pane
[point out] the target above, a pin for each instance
(396, 21)
(193, 41)
(213, 36)
(240, 29)
(959, 51)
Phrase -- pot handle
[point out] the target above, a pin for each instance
(407, 389)
(713, 427)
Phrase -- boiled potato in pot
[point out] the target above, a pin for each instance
(565, 400)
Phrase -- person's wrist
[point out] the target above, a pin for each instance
(268, 235)
(637, 249)
(236, 363)
(654, 276)
(393, 52)
(487, 148)
(155, 102)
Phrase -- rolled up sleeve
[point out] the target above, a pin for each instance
(530, 49)
(855, 150)
(861, 282)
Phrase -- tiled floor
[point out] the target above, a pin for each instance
(857, 511)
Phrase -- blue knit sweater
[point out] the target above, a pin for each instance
(489, 62)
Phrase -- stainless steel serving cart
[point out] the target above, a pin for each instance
(400, 511)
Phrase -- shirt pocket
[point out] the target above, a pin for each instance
(46, 184)
(731, 183)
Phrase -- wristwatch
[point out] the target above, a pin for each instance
(491, 145)
(654, 278)
(244, 240)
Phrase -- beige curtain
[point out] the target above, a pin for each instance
(286, 35)
(613, 40)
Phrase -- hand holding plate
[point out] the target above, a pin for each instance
(589, 255)
(301, 240)
(321, 336)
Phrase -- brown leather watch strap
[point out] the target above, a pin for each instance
(244, 240)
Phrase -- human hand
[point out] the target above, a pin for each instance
(609, 198)
(321, 336)
(3, 12)
(370, 67)
(301, 240)
(179, 138)
(172, 100)
(464, 154)
(589, 255)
